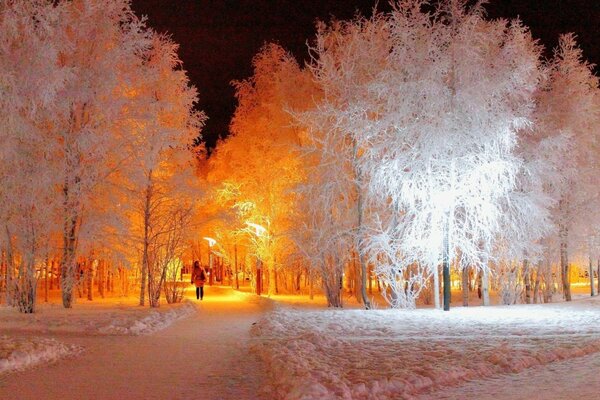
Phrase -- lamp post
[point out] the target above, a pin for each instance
(259, 231)
(211, 243)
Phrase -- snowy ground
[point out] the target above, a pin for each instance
(238, 346)
(103, 316)
(355, 354)
(24, 343)
(564, 380)
(18, 353)
(203, 356)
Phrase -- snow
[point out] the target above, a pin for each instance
(204, 355)
(153, 322)
(387, 354)
(22, 345)
(561, 380)
(238, 345)
(17, 354)
(113, 316)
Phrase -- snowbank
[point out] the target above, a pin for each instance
(153, 322)
(109, 317)
(389, 354)
(17, 354)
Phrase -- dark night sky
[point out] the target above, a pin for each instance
(218, 38)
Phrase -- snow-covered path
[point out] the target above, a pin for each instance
(204, 356)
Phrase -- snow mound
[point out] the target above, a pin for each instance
(390, 354)
(17, 354)
(150, 323)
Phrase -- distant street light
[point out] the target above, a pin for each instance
(211, 243)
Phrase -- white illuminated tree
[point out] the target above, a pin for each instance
(435, 119)
(328, 208)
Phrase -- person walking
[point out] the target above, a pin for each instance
(198, 278)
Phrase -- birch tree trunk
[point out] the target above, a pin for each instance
(237, 280)
(10, 269)
(145, 266)
(359, 231)
(446, 268)
(564, 263)
(598, 277)
(46, 280)
(436, 287)
(485, 285)
(591, 272)
(90, 278)
(527, 281)
(311, 284)
(465, 286)
(549, 283)
(536, 287)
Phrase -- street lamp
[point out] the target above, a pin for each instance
(259, 230)
(211, 243)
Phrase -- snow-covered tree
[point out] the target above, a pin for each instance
(162, 188)
(435, 119)
(92, 100)
(28, 90)
(101, 42)
(259, 164)
(568, 111)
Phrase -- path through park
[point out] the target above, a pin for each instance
(204, 356)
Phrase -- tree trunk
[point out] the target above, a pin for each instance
(359, 233)
(3, 271)
(591, 272)
(465, 286)
(210, 269)
(598, 277)
(536, 286)
(485, 285)
(237, 280)
(527, 281)
(10, 269)
(436, 287)
(52, 274)
(26, 286)
(46, 280)
(370, 278)
(68, 267)
(311, 285)
(446, 268)
(357, 278)
(90, 279)
(145, 260)
(101, 278)
(564, 264)
(549, 283)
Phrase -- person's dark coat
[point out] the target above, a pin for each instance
(198, 277)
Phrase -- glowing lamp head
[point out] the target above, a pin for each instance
(211, 241)
(259, 230)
